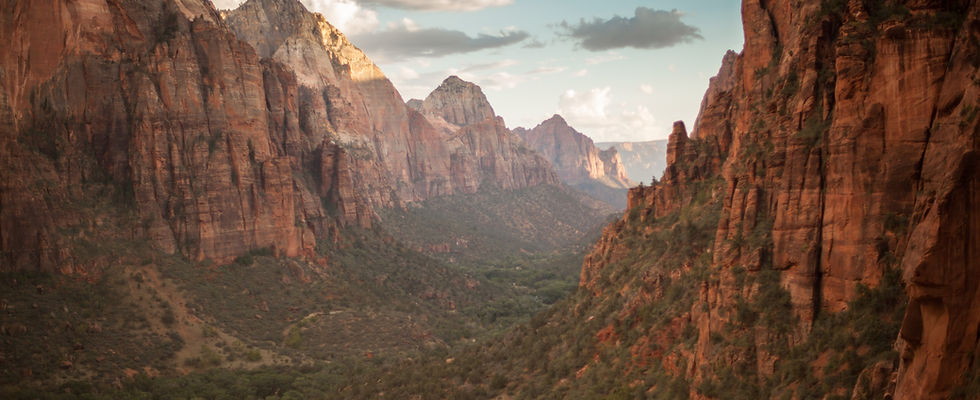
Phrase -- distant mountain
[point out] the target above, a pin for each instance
(643, 160)
(183, 188)
(578, 161)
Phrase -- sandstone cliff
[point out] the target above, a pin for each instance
(160, 104)
(578, 161)
(399, 155)
(841, 147)
(481, 149)
(206, 145)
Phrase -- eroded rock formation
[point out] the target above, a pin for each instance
(212, 145)
(845, 135)
(578, 161)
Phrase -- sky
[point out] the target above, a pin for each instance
(616, 70)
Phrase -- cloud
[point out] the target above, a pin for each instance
(346, 15)
(227, 4)
(401, 42)
(547, 70)
(594, 114)
(494, 65)
(647, 89)
(534, 44)
(582, 72)
(440, 5)
(647, 29)
(604, 58)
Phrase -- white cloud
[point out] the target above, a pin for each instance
(547, 70)
(346, 15)
(405, 24)
(586, 108)
(645, 88)
(604, 58)
(591, 113)
(582, 72)
(227, 4)
(488, 66)
(440, 5)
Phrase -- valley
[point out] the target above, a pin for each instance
(198, 203)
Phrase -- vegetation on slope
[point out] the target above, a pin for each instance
(485, 227)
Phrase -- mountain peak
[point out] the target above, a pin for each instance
(458, 102)
(454, 80)
(556, 119)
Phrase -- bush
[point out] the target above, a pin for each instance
(168, 317)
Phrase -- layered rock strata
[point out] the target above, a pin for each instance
(214, 145)
(846, 137)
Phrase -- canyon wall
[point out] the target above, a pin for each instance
(845, 137)
(209, 145)
(400, 156)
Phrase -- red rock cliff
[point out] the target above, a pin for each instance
(399, 156)
(578, 161)
(161, 100)
(481, 148)
(211, 149)
(846, 137)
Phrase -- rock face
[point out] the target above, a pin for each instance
(400, 156)
(577, 160)
(481, 149)
(643, 161)
(212, 145)
(158, 100)
(846, 137)
(457, 102)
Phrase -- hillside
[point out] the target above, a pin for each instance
(180, 191)
(811, 240)
(813, 237)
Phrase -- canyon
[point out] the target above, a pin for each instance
(224, 146)
(813, 235)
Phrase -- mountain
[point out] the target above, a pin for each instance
(643, 161)
(801, 240)
(578, 162)
(813, 237)
(532, 220)
(183, 190)
(214, 150)
(404, 157)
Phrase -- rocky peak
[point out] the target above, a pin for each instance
(415, 104)
(458, 102)
(556, 120)
(577, 160)
(676, 143)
